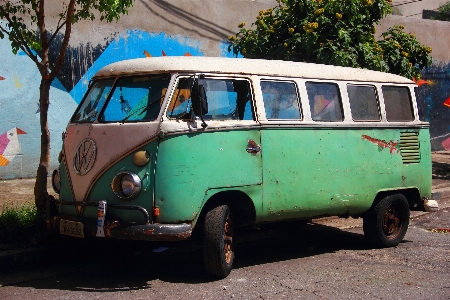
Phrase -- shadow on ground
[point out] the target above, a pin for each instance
(108, 265)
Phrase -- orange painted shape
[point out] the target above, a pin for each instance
(2, 78)
(447, 102)
(147, 54)
(163, 53)
(187, 54)
(3, 161)
(421, 81)
(20, 131)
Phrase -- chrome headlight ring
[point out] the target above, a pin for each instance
(126, 185)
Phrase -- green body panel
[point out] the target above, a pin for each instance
(333, 171)
(102, 190)
(189, 166)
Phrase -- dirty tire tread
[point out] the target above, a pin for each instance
(213, 244)
(373, 221)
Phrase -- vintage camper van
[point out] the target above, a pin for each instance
(160, 146)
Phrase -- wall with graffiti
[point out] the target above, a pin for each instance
(434, 103)
(152, 28)
(158, 28)
(19, 85)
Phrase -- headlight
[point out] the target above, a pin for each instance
(56, 181)
(126, 185)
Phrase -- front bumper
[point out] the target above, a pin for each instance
(117, 229)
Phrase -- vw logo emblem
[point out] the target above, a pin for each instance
(84, 157)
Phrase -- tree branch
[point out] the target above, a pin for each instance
(21, 43)
(65, 43)
(58, 28)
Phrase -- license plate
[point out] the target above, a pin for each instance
(71, 228)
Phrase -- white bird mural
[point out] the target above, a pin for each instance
(9, 145)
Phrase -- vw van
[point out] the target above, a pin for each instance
(160, 146)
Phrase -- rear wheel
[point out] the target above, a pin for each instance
(218, 244)
(386, 223)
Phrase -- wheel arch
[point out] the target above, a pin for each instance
(241, 206)
(412, 195)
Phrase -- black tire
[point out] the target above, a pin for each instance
(218, 244)
(386, 223)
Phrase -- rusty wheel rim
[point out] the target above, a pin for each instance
(228, 240)
(393, 221)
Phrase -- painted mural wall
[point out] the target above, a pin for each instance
(433, 92)
(158, 28)
(152, 28)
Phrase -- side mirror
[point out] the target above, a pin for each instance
(199, 101)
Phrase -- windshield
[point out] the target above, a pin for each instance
(133, 99)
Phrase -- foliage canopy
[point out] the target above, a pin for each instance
(335, 32)
(443, 12)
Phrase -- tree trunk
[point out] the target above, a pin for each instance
(40, 188)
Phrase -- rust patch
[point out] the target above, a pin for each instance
(393, 146)
(109, 227)
(149, 232)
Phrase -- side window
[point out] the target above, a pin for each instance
(324, 100)
(398, 105)
(280, 100)
(228, 99)
(363, 102)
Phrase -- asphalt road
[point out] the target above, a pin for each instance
(328, 259)
(272, 262)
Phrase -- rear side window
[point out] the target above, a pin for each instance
(397, 101)
(325, 102)
(363, 102)
(281, 101)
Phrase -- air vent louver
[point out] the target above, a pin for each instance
(410, 147)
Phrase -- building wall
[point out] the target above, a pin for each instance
(152, 28)
(415, 8)
(156, 28)
(433, 93)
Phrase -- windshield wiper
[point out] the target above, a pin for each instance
(144, 109)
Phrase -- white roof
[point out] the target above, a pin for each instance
(202, 64)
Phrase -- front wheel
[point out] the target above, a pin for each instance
(386, 223)
(218, 246)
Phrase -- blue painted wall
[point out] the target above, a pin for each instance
(19, 91)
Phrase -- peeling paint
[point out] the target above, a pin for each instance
(393, 146)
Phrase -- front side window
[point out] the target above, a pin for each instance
(281, 100)
(398, 105)
(325, 102)
(363, 102)
(228, 99)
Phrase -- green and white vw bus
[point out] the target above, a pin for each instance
(159, 146)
